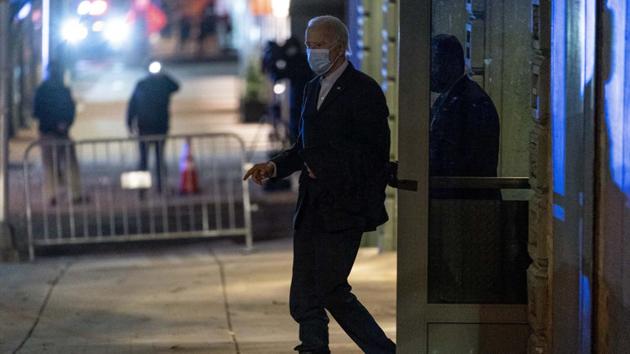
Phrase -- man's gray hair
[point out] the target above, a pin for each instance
(334, 25)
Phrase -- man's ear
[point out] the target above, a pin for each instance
(338, 51)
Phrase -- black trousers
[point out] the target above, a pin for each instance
(160, 166)
(322, 262)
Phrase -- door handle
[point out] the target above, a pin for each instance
(394, 182)
(407, 185)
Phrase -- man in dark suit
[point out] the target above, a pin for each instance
(342, 152)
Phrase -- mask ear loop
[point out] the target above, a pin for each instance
(332, 64)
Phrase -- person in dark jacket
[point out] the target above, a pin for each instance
(207, 29)
(342, 151)
(464, 130)
(54, 108)
(185, 28)
(148, 115)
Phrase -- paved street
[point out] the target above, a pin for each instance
(204, 297)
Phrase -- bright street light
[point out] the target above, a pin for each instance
(73, 31)
(98, 26)
(98, 8)
(279, 88)
(84, 8)
(155, 67)
(117, 31)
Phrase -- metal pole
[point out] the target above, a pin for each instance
(7, 252)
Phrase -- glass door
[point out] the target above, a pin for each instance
(465, 122)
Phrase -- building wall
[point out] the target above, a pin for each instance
(375, 28)
(543, 85)
(568, 293)
(612, 247)
(449, 17)
(572, 117)
(540, 205)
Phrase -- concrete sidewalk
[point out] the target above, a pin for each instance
(203, 297)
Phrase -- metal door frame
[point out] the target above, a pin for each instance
(414, 28)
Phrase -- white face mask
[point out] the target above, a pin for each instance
(319, 60)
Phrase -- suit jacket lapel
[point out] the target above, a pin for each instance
(337, 88)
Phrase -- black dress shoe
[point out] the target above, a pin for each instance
(310, 351)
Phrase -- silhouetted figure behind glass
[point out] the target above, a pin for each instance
(55, 110)
(464, 131)
(465, 229)
(148, 114)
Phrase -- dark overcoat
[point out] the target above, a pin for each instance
(54, 108)
(149, 105)
(346, 144)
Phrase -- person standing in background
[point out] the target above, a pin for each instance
(148, 114)
(55, 110)
(185, 27)
(207, 31)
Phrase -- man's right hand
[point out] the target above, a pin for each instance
(260, 172)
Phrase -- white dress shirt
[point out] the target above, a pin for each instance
(326, 82)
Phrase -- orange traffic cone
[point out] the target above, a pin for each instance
(188, 182)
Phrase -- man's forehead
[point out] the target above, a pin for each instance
(319, 33)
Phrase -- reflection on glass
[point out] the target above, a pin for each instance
(477, 241)
(464, 131)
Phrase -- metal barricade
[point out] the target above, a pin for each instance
(131, 189)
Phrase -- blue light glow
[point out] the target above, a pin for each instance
(617, 96)
(24, 11)
(45, 35)
(585, 310)
(558, 212)
(558, 92)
